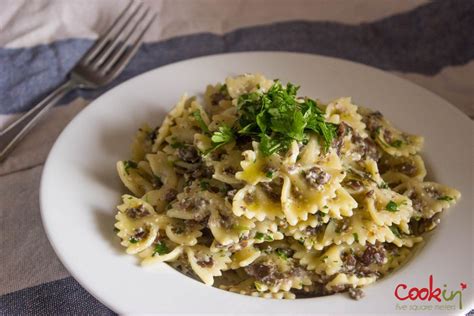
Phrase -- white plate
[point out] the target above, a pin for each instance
(80, 188)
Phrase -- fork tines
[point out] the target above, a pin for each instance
(112, 51)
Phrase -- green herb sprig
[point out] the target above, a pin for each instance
(277, 117)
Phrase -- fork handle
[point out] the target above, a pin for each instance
(14, 133)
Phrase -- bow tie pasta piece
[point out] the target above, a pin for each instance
(227, 165)
(143, 142)
(259, 202)
(136, 224)
(228, 228)
(258, 168)
(342, 110)
(391, 140)
(162, 250)
(327, 261)
(266, 230)
(236, 86)
(343, 281)
(164, 130)
(307, 191)
(275, 272)
(411, 166)
(137, 177)
(244, 257)
(341, 205)
(183, 232)
(387, 207)
(217, 99)
(207, 264)
(248, 287)
(194, 203)
(428, 198)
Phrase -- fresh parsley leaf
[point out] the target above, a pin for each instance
(395, 231)
(262, 236)
(281, 253)
(392, 207)
(204, 185)
(396, 143)
(200, 121)
(445, 198)
(222, 136)
(160, 249)
(128, 164)
(383, 185)
(177, 145)
(133, 240)
(356, 237)
(277, 117)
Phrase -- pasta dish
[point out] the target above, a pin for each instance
(259, 191)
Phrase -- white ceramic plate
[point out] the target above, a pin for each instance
(80, 188)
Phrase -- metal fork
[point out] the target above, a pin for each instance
(102, 63)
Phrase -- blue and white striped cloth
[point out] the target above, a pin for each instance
(429, 43)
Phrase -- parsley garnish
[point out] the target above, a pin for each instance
(356, 237)
(445, 198)
(133, 240)
(276, 118)
(177, 145)
(262, 236)
(160, 249)
(269, 174)
(200, 121)
(281, 253)
(127, 164)
(204, 185)
(222, 136)
(392, 207)
(396, 143)
(395, 231)
(383, 185)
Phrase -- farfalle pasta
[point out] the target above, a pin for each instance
(261, 192)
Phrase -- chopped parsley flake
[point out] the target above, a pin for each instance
(392, 207)
(200, 121)
(281, 253)
(133, 240)
(262, 236)
(396, 143)
(160, 249)
(395, 231)
(356, 237)
(383, 185)
(445, 198)
(127, 164)
(269, 174)
(204, 185)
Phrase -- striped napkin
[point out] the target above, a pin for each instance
(429, 43)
